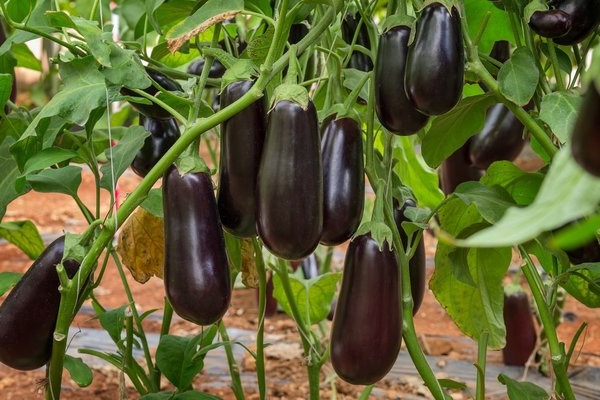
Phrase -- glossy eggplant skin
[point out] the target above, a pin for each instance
(520, 330)
(343, 180)
(436, 61)
(585, 141)
(367, 324)
(216, 68)
(457, 169)
(28, 314)
(550, 23)
(394, 110)
(500, 139)
(290, 182)
(501, 51)
(417, 264)
(196, 272)
(242, 139)
(154, 110)
(163, 133)
(585, 17)
(358, 60)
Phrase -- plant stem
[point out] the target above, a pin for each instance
(234, 371)
(552, 50)
(262, 303)
(559, 359)
(481, 362)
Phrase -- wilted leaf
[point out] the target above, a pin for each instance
(249, 274)
(141, 245)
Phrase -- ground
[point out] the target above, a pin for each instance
(54, 214)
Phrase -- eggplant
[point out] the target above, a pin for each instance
(163, 134)
(457, 169)
(500, 139)
(29, 312)
(367, 324)
(196, 272)
(585, 140)
(242, 139)
(520, 330)
(394, 110)
(435, 66)
(290, 182)
(417, 263)
(154, 110)
(585, 18)
(343, 180)
(550, 23)
(358, 60)
(216, 68)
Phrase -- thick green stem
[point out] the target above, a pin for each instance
(199, 89)
(164, 330)
(314, 380)
(234, 371)
(481, 363)
(559, 358)
(554, 59)
(262, 304)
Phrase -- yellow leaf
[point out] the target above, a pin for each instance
(249, 275)
(141, 245)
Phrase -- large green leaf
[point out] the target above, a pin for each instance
(24, 235)
(415, 173)
(25, 58)
(313, 296)
(522, 186)
(559, 110)
(583, 283)
(121, 156)
(62, 180)
(522, 390)
(468, 283)
(450, 131)
(567, 194)
(497, 28)
(492, 202)
(518, 77)
(47, 158)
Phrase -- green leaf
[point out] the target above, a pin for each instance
(522, 390)
(25, 58)
(468, 283)
(576, 235)
(8, 280)
(25, 236)
(5, 88)
(47, 158)
(80, 372)
(492, 202)
(194, 395)
(582, 283)
(313, 296)
(559, 110)
(497, 28)
(452, 384)
(151, 7)
(121, 156)
(522, 186)
(153, 202)
(8, 177)
(259, 46)
(207, 15)
(19, 9)
(64, 180)
(176, 356)
(518, 77)
(126, 69)
(450, 131)
(567, 194)
(112, 322)
(415, 173)
(158, 396)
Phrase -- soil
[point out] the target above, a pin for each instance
(54, 214)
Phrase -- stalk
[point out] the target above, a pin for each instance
(481, 362)
(262, 303)
(234, 371)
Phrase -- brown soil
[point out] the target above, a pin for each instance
(286, 374)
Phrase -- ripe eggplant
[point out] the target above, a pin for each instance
(242, 139)
(500, 139)
(358, 60)
(154, 110)
(417, 264)
(394, 110)
(457, 169)
(343, 180)
(501, 51)
(28, 314)
(367, 325)
(163, 133)
(196, 271)
(520, 330)
(585, 140)
(585, 18)
(550, 23)
(290, 182)
(436, 61)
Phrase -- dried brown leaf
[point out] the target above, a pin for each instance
(249, 274)
(176, 43)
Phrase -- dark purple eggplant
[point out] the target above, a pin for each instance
(520, 330)
(242, 139)
(343, 180)
(367, 325)
(358, 60)
(417, 264)
(290, 182)
(216, 68)
(501, 51)
(585, 140)
(154, 110)
(585, 18)
(457, 169)
(436, 61)
(163, 134)
(500, 139)
(394, 110)
(550, 23)
(196, 271)
(28, 314)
